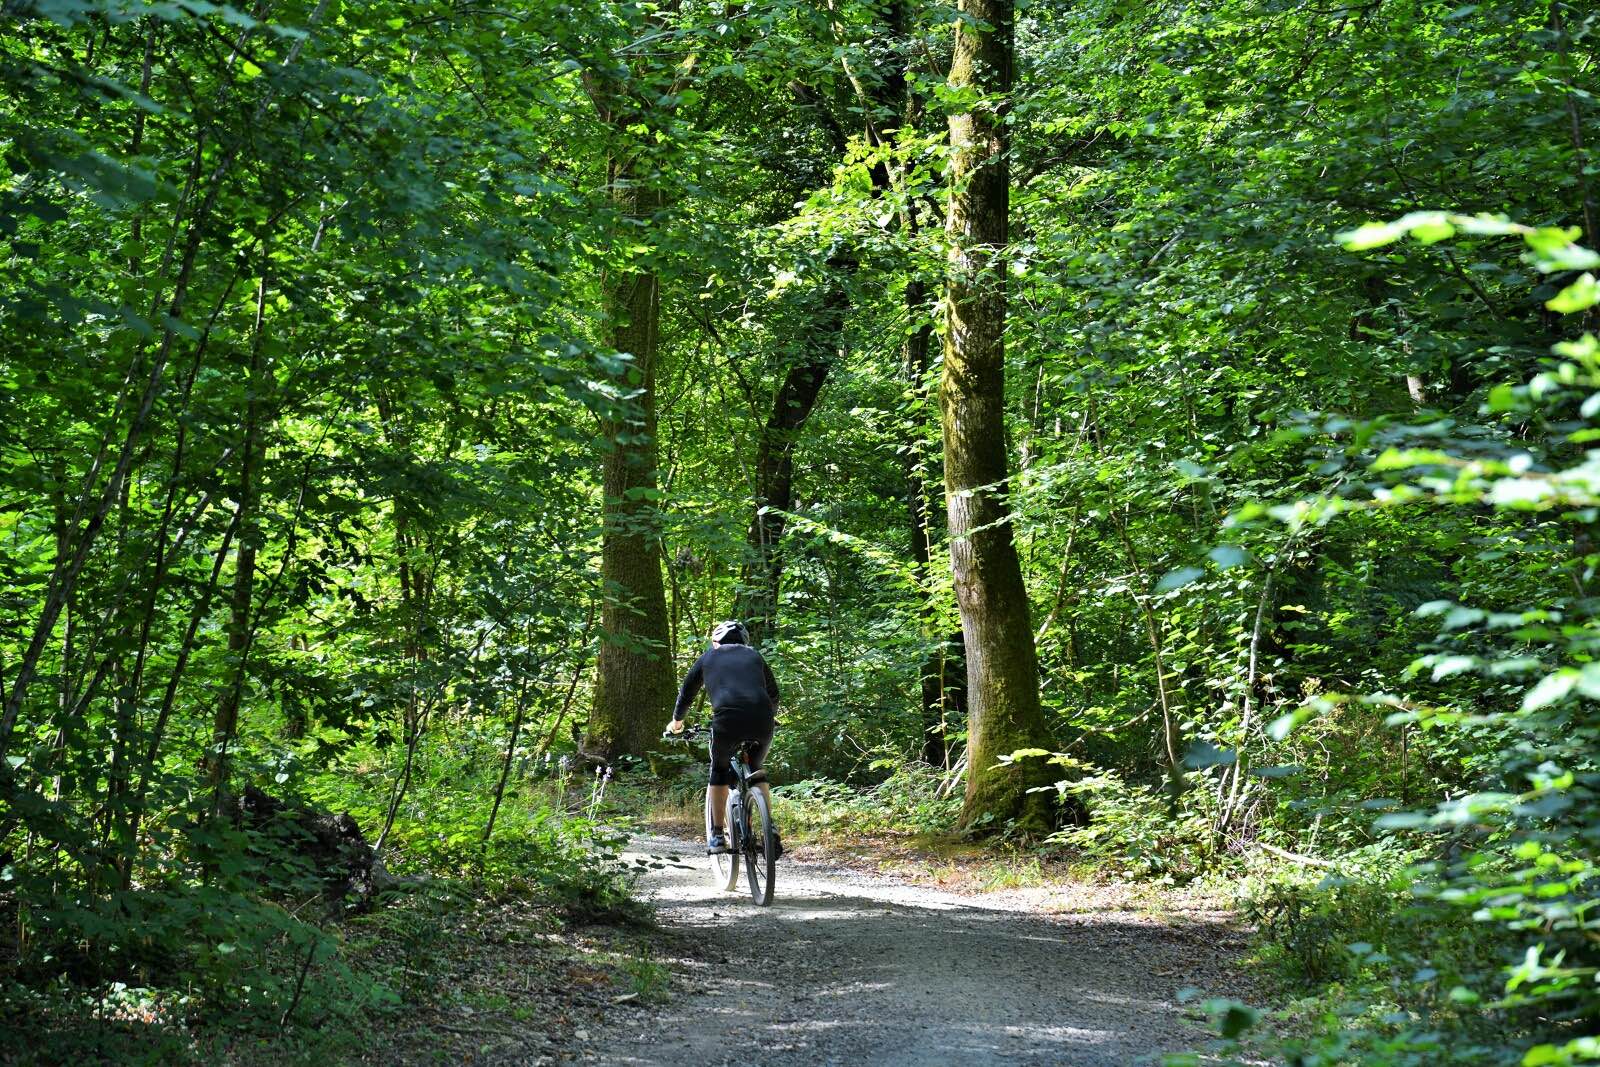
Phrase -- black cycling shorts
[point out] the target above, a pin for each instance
(726, 737)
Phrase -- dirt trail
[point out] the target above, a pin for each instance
(847, 968)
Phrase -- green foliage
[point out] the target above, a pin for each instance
(289, 419)
(912, 798)
(304, 338)
(651, 981)
(1515, 855)
(1131, 828)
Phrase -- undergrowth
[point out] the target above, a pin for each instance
(229, 950)
(914, 798)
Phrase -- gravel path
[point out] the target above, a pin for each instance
(848, 968)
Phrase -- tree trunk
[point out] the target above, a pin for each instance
(1002, 671)
(520, 707)
(634, 680)
(197, 615)
(942, 696)
(935, 688)
(774, 484)
(240, 631)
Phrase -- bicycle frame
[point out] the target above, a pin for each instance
(758, 862)
(747, 844)
(746, 780)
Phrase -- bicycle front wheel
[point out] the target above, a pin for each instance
(760, 849)
(725, 865)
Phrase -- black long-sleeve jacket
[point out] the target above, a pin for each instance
(737, 681)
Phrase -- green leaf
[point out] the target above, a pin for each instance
(1203, 754)
(1579, 296)
(1231, 1017)
(1395, 459)
(1566, 256)
(1401, 820)
(1550, 688)
(1452, 665)
(1433, 231)
(1226, 556)
(1486, 225)
(1178, 579)
(1284, 725)
(1370, 235)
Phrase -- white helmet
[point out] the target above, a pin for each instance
(731, 632)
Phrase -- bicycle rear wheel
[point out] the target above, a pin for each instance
(760, 849)
(725, 865)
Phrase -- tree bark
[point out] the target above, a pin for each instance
(936, 686)
(774, 483)
(942, 695)
(225, 725)
(1004, 713)
(634, 674)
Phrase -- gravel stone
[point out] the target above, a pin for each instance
(848, 967)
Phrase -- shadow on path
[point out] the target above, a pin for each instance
(850, 969)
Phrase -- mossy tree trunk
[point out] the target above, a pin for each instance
(1002, 671)
(634, 673)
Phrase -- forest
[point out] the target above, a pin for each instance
(1148, 442)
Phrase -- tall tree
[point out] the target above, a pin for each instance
(634, 670)
(1002, 670)
(880, 98)
(633, 675)
(942, 691)
(775, 444)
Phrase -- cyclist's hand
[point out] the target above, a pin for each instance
(675, 726)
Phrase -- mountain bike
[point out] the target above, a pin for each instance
(752, 837)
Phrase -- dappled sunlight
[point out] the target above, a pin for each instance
(1117, 484)
(846, 966)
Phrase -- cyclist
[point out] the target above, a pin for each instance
(744, 703)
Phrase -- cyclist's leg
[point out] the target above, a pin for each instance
(756, 752)
(717, 797)
(719, 778)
